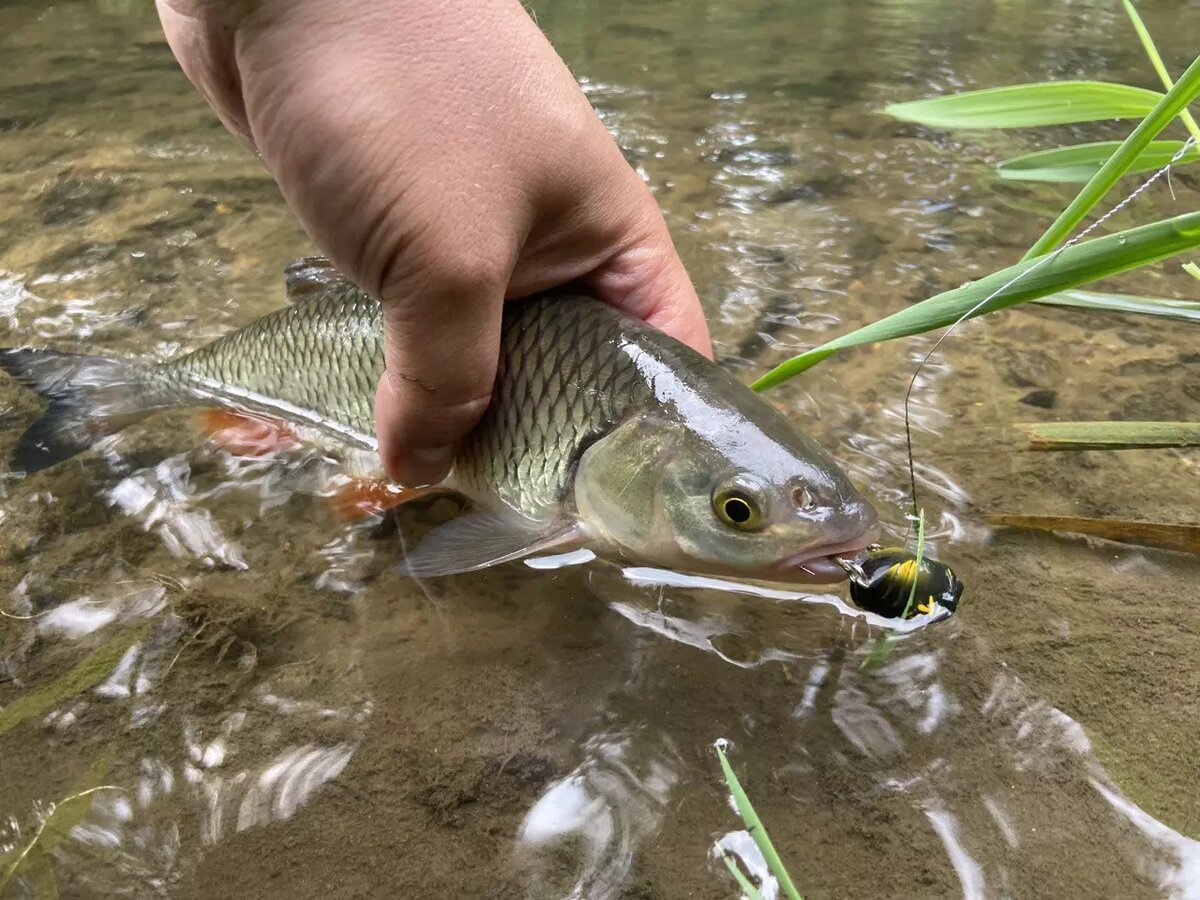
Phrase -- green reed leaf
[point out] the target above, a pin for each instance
(40, 873)
(1157, 61)
(1029, 105)
(1110, 435)
(1187, 310)
(755, 827)
(1171, 104)
(751, 892)
(1073, 266)
(67, 813)
(1081, 161)
(912, 591)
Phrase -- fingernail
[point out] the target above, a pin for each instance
(422, 466)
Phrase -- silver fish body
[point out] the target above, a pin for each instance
(601, 429)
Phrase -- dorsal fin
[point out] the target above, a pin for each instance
(309, 276)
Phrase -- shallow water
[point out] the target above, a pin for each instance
(283, 715)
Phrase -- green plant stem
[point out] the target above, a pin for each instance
(755, 827)
(25, 851)
(740, 877)
(912, 591)
(1176, 99)
(1159, 66)
(886, 642)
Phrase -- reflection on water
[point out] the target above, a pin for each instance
(1175, 864)
(284, 715)
(161, 500)
(276, 793)
(604, 806)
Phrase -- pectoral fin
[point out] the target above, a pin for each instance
(478, 540)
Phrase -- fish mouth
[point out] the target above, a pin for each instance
(817, 565)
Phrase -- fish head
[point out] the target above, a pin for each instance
(737, 501)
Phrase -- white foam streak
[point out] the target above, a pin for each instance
(970, 875)
(1180, 881)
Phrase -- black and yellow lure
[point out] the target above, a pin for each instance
(881, 581)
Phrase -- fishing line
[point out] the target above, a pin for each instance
(1050, 257)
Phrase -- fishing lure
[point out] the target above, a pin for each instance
(882, 578)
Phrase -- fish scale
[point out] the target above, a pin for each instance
(323, 355)
(559, 358)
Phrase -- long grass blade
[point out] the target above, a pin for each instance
(755, 826)
(1172, 103)
(1080, 162)
(1073, 266)
(1110, 435)
(33, 860)
(1187, 310)
(886, 642)
(1029, 105)
(40, 874)
(912, 591)
(69, 806)
(94, 669)
(739, 876)
(1184, 538)
(1157, 61)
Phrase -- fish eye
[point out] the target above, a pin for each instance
(737, 509)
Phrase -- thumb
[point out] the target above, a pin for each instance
(441, 348)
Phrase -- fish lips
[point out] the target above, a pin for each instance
(817, 565)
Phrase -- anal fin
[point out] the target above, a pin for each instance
(359, 498)
(479, 540)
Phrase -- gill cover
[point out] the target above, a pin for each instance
(618, 487)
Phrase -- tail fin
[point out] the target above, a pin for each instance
(90, 397)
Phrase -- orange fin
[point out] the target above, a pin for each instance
(243, 434)
(359, 498)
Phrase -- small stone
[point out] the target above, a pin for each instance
(1043, 399)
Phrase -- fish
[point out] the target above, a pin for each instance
(603, 432)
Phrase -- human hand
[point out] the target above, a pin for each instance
(443, 156)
